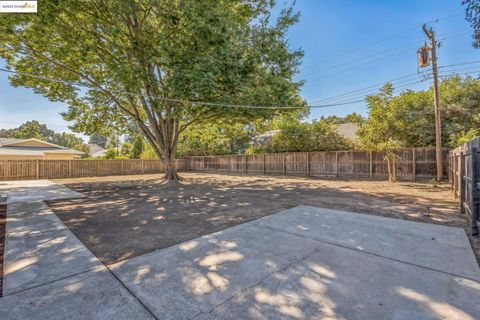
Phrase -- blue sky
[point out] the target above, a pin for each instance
(327, 29)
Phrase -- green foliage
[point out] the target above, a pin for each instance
(126, 149)
(34, 129)
(349, 118)
(408, 119)
(113, 142)
(128, 54)
(473, 16)
(296, 136)
(137, 147)
(111, 153)
(215, 138)
(148, 153)
(85, 149)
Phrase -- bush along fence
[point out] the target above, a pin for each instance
(464, 175)
(61, 169)
(411, 163)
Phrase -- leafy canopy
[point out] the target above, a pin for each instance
(473, 16)
(34, 129)
(136, 59)
(408, 119)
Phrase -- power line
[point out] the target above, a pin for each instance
(387, 51)
(459, 64)
(379, 84)
(367, 89)
(172, 99)
(340, 103)
(364, 58)
(395, 51)
(384, 39)
(396, 89)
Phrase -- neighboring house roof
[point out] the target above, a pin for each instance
(9, 140)
(265, 137)
(347, 130)
(21, 147)
(96, 151)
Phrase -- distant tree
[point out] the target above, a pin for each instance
(66, 139)
(83, 148)
(142, 60)
(473, 16)
(111, 153)
(34, 129)
(137, 147)
(98, 139)
(354, 118)
(148, 153)
(380, 129)
(409, 117)
(296, 136)
(126, 149)
(113, 142)
(219, 137)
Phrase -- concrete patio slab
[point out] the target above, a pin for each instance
(35, 190)
(181, 281)
(31, 219)
(338, 283)
(91, 295)
(253, 271)
(37, 260)
(438, 247)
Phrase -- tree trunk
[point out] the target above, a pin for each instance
(394, 170)
(170, 170)
(389, 170)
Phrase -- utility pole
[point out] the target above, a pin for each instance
(436, 100)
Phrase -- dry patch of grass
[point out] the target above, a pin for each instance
(125, 216)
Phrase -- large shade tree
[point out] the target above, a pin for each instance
(473, 16)
(147, 60)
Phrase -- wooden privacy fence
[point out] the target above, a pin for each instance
(464, 175)
(411, 163)
(59, 169)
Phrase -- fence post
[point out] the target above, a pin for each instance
(204, 164)
(246, 164)
(70, 168)
(336, 163)
(475, 190)
(121, 163)
(370, 169)
(98, 167)
(37, 169)
(462, 181)
(143, 166)
(283, 163)
(229, 163)
(414, 165)
(452, 170)
(455, 175)
(264, 163)
(308, 163)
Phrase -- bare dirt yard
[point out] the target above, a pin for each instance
(123, 217)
